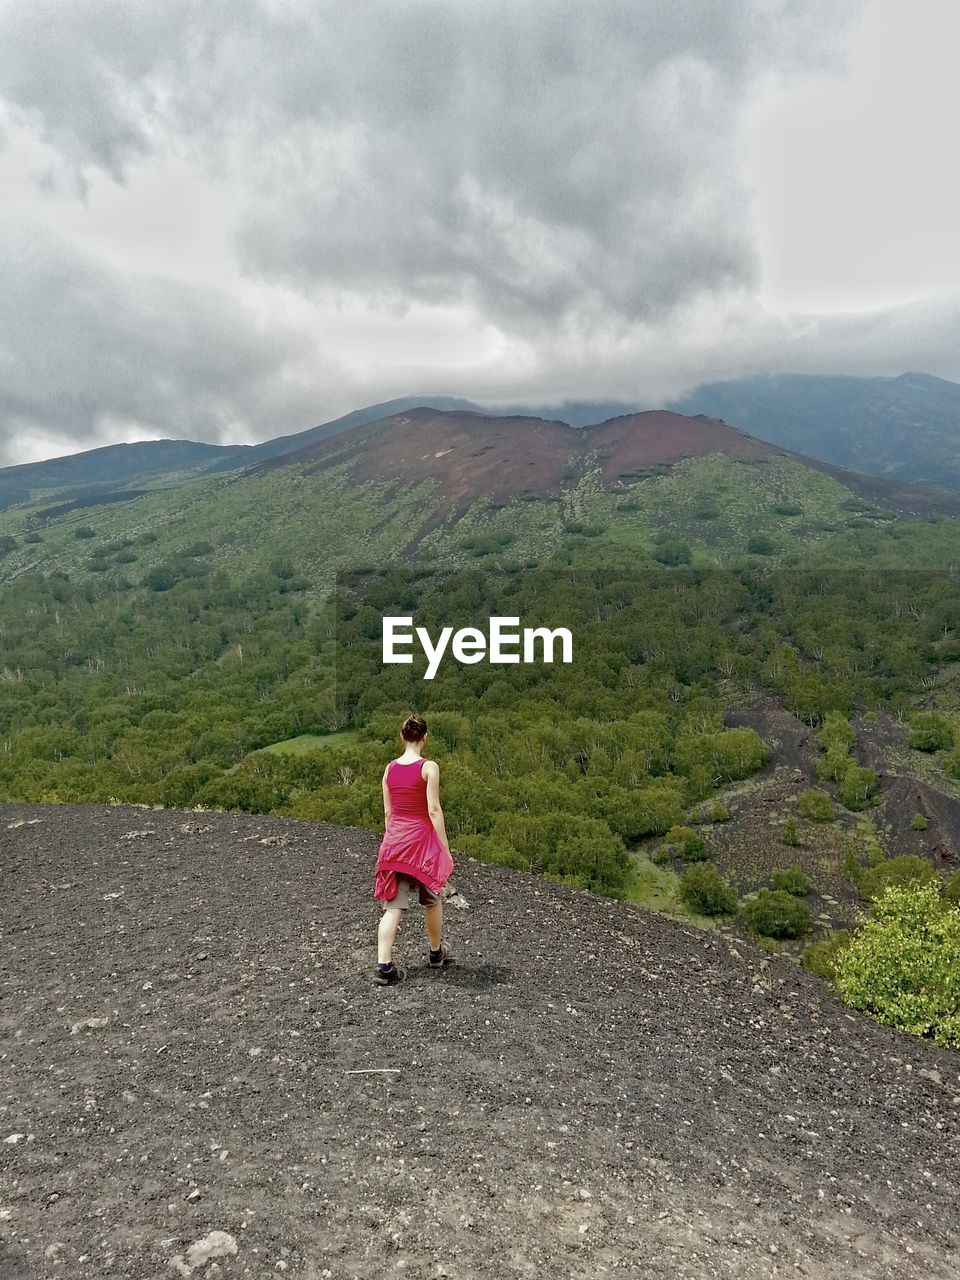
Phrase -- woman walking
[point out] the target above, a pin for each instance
(414, 851)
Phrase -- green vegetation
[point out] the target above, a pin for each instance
(705, 891)
(905, 871)
(772, 913)
(918, 822)
(791, 880)
(930, 732)
(185, 647)
(821, 957)
(858, 785)
(789, 833)
(901, 965)
(815, 805)
(306, 742)
(683, 842)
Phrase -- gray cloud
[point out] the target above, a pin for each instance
(566, 173)
(85, 350)
(551, 161)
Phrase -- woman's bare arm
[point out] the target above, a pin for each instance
(431, 772)
(386, 798)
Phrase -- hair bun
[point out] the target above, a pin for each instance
(414, 729)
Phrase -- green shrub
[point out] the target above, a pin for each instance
(815, 805)
(589, 850)
(836, 733)
(790, 833)
(719, 812)
(858, 785)
(725, 756)
(685, 843)
(851, 865)
(646, 811)
(791, 880)
(919, 822)
(906, 871)
(705, 891)
(902, 963)
(930, 732)
(776, 914)
(672, 551)
(761, 545)
(84, 532)
(952, 891)
(33, 538)
(821, 957)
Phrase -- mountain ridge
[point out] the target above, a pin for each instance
(905, 427)
(532, 455)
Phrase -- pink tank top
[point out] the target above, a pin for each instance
(408, 789)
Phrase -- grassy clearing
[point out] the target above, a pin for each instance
(655, 889)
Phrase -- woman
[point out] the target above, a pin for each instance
(414, 850)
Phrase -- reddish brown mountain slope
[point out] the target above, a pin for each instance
(471, 455)
(640, 440)
(468, 454)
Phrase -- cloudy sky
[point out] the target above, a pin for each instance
(231, 220)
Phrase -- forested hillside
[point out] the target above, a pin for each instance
(765, 662)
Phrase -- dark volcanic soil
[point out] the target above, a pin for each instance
(594, 1091)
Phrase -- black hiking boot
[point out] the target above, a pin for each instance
(440, 958)
(390, 976)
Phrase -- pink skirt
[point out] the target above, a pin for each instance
(411, 845)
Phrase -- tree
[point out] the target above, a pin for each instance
(815, 805)
(930, 732)
(791, 880)
(705, 891)
(903, 964)
(776, 914)
(686, 844)
(858, 785)
(906, 871)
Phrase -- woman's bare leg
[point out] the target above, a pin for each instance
(433, 917)
(387, 934)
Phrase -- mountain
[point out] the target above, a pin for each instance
(472, 455)
(154, 462)
(578, 413)
(461, 485)
(358, 418)
(907, 427)
(217, 645)
(120, 466)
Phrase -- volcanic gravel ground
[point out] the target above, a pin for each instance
(593, 1091)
